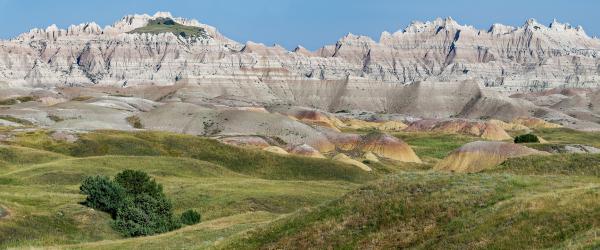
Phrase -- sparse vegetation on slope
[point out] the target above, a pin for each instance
(15, 120)
(569, 136)
(13, 101)
(44, 197)
(41, 187)
(438, 211)
(135, 122)
(249, 162)
(430, 146)
(168, 25)
(250, 199)
(556, 164)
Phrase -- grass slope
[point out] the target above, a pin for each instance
(199, 236)
(44, 198)
(434, 146)
(256, 163)
(40, 180)
(442, 211)
(569, 136)
(557, 164)
(252, 199)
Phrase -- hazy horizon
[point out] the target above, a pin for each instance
(311, 23)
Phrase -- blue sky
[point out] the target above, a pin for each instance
(311, 23)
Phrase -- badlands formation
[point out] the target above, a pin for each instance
(436, 76)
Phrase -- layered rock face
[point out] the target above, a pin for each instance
(526, 58)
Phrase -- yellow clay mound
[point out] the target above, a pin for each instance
(345, 159)
(305, 150)
(246, 141)
(382, 145)
(369, 156)
(392, 126)
(385, 126)
(316, 117)
(276, 150)
(481, 155)
(508, 126)
(532, 122)
(485, 130)
(388, 146)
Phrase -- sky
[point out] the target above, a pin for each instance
(310, 23)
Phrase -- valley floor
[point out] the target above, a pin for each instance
(252, 199)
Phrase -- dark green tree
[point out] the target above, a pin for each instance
(102, 194)
(136, 202)
(145, 215)
(137, 183)
(527, 138)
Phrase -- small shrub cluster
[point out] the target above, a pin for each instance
(16, 100)
(55, 118)
(527, 138)
(136, 203)
(190, 217)
(135, 122)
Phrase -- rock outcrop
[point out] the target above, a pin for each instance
(530, 57)
(437, 69)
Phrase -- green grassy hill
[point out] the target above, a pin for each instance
(255, 163)
(40, 179)
(444, 211)
(250, 199)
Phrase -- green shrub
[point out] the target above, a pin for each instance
(102, 194)
(136, 202)
(135, 122)
(527, 138)
(145, 215)
(137, 183)
(190, 217)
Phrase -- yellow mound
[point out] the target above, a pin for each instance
(532, 122)
(386, 126)
(369, 156)
(480, 155)
(382, 145)
(485, 130)
(246, 141)
(315, 117)
(507, 126)
(276, 150)
(306, 150)
(389, 147)
(392, 126)
(345, 159)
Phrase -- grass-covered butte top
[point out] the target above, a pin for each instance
(168, 25)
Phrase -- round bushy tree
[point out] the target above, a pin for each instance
(102, 194)
(136, 202)
(527, 138)
(145, 215)
(137, 182)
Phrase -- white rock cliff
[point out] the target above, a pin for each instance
(531, 57)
